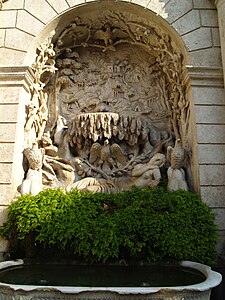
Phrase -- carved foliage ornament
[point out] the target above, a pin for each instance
(115, 103)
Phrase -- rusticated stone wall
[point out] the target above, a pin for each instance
(25, 23)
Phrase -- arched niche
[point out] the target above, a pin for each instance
(109, 98)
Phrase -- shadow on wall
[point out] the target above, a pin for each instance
(218, 293)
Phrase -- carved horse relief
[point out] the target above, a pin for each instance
(108, 98)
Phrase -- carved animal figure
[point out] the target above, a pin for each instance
(107, 156)
(34, 156)
(105, 35)
(176, 155)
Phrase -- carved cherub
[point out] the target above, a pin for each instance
(148, 175)
(33, 182)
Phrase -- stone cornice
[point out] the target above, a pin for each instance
(21, 76)
(206, 76)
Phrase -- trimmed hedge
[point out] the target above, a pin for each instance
(151, 224)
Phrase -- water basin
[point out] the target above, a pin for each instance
(188, 280)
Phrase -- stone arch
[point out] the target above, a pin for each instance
(154, 10)
(162, 59)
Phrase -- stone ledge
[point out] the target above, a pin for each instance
(16, 76)
(206, 76)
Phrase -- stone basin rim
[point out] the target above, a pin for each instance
(212, 280)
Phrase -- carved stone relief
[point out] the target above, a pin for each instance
(107, 101)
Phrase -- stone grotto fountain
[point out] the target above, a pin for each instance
(108, 108)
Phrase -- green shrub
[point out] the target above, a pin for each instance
(151, 224)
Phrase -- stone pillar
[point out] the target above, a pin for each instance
(221, 18)
(14, 95)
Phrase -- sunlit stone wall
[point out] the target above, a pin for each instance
(25, 23)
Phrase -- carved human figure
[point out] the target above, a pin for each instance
(148, 174)
(143, 176)
(33, 182)
(176, 180)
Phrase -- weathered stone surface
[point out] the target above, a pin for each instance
(141, 2)
(216, 37)
(8, 113)
(3, 247)
(211, 154)
(9, 95)
(210, 114)
(194, 40)
(17, 39)
(204, 4)
(7, 132)
(177, 8)
(59, 6)
(5, 195)
(15, 4)
(40, 9)
(210, 133)
(6, 153)
(2, 37)
(206, 57)
(221, 20)
(213, 196)
(156, 6)
(9, 57)
(28, 23)
(7, 19)
(208, 95)
(183, 25)
(5, 173)
(220, 220)
(75, 2)
(221, 242)
(3, 215)
(212, 174)
(209, 18)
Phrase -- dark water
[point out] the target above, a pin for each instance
(100, 276)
